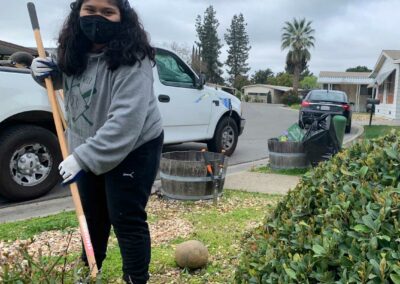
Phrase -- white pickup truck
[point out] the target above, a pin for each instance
(29, 151)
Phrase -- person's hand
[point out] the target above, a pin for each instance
(43, 67)
(70, 170)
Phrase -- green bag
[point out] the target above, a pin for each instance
(295, 133)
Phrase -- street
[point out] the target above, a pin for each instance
(263, 121)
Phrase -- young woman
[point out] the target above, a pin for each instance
(104, 65)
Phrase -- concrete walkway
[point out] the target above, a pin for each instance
(259, 182)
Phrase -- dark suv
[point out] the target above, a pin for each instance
(319, 102)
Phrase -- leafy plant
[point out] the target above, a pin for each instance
(290, 98)
(339, 225)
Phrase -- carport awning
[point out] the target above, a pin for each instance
(382, 77)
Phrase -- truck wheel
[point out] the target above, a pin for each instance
(225, 137)
(29, 157)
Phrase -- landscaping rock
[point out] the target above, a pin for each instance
(191, 254)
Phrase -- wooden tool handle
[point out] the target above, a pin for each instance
(63, 145)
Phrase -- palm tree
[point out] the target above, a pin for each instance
(297, 37)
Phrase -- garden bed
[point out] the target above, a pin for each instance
(171, 222)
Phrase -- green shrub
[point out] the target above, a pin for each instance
(339, 225)
(290, 98)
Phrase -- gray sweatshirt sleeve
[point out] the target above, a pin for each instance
(113, 141)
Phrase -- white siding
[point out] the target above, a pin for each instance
(262, 90)
(257, 89)
(397, 92)
(390, 110)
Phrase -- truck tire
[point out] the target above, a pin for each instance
(225, 137)
(29, 158)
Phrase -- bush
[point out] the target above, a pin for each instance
(339, 225)
(290, 98)
(246, 98)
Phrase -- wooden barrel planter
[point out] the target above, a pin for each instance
(184, 175)
(286, 155)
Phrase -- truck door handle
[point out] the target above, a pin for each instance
(163, 99)
(216, 102)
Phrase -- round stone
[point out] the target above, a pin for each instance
(191, 254)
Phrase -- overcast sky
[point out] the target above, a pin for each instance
(347, 32)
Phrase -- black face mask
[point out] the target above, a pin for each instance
(98, 29)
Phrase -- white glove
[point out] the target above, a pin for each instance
(43, 67)
(70, 170)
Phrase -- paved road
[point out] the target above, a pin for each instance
(262, 122)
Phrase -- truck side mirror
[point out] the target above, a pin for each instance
(201, 81)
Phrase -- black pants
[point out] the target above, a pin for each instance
(119, 198)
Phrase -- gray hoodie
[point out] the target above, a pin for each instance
(109, 113)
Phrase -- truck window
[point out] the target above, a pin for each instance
(172, 71)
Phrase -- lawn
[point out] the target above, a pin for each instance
(290, 172)
(219, 228)
(295, 106)
(375, 131)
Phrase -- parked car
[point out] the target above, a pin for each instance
(29, 152)
(319, 102)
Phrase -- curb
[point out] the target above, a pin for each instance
(288, 108)
(352, 140)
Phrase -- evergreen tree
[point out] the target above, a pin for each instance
(261, 76)
(359, 69)
(290, 67)
(209, 45)
(281, 79)
(237, 40)
(196, 62)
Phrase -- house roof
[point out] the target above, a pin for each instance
(279, 88)
(392, 55)
(8, 48)
(354, 78)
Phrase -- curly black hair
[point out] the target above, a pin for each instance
(130, 46)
